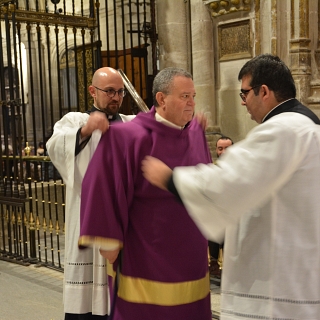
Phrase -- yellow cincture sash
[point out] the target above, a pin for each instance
(140, 290)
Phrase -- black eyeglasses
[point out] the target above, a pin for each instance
(111, 92)
(243, 94)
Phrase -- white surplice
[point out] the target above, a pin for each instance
(85, 280)
(263, 199)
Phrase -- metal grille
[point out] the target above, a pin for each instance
(48, 54)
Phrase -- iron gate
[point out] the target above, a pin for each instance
(48, 54)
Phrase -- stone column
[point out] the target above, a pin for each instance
(173, 34)
(314, 98)
(203, 59)
(300, 53)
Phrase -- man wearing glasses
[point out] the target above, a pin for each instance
(70, 148)
(265, 206)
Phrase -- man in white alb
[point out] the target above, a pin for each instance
(265, 205)
(70, 148)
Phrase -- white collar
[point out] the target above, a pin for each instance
(166, 122)
(275, 107)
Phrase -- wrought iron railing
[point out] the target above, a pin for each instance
(32, 215)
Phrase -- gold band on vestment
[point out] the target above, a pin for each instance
(110, 272)
(138, 290)
(99, 242)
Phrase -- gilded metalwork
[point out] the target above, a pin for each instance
(27, 149)
(38, 226)
(222, 7)
(81, 72)
(31, 222)
(47, 18)
(2, 2)
(50, 226)
(44, 225)
(29, 158)
(26, 221)
(12, 201)
(57, 227)
(234, 41)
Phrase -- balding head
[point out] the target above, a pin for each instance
(105, 79)
(105, 75)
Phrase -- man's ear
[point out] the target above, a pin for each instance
(160, 99)
(265, 91)
(92, 91)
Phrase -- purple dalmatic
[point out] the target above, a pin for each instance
(164, 272)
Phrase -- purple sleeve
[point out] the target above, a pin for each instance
(104, 197)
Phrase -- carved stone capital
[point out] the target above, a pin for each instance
(221, 7)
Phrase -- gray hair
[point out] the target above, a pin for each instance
(163, 81)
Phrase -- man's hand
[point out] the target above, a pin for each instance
(97, 120)
(156, 172)
(202, 120)
(111, 255)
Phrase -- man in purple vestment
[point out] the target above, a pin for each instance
(164, 272)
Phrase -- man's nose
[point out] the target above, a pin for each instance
(116, 96)
(192, 101)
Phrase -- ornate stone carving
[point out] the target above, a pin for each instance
(221, 7)
(234, 41)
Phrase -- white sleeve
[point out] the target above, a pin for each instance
(244, 178)
(61, 145)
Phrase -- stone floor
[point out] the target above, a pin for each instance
(215, 299)
(30, 293)
(35, 293)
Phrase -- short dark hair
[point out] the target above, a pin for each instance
(224, 138)
(270, 70)
(163, 81)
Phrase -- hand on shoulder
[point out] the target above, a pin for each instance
(96, 120)
(202, 120)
